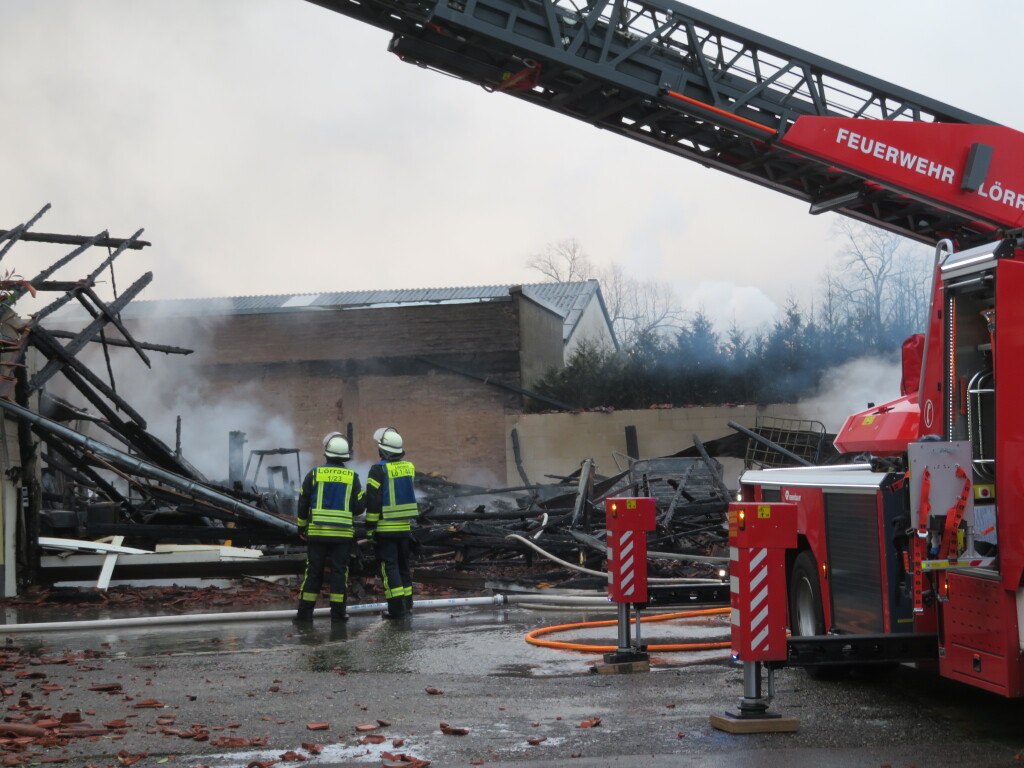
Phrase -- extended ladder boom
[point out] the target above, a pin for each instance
(677, 78)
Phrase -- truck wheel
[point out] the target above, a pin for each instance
(806, 615)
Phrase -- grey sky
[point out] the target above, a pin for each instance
(270, 146)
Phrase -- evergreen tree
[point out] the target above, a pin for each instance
(879, 297)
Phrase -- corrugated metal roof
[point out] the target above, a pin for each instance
(567, 299)
(564, 296)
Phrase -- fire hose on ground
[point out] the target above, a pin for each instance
(209, 618)
(603, 574)
(532, 637)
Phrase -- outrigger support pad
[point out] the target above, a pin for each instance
(753, 715)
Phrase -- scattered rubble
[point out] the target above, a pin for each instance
(145, 494)
(81, 486)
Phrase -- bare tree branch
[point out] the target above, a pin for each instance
(882, 283)
(635, 307)
(562, 262)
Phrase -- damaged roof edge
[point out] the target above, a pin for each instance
(561, 295)
(569, 300)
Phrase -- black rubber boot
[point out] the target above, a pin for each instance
(305, 613)
(407, 600)
(338, 614)
(396, 609)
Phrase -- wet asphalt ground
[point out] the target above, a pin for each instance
(253, 689)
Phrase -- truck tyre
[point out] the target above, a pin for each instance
(806, 615)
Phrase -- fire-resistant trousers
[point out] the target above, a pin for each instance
(392, 550)
(324, 552)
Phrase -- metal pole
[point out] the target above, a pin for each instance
(624, 627)
(752, 702)
(770, 444)
(583, 491)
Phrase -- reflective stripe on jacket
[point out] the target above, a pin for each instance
(397, 497)
(333, 493)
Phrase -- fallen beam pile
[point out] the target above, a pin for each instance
(76, 485)
(542, 534)
(555, 533)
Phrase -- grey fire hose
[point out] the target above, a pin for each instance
(446, 603)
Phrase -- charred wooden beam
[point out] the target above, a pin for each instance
(147, 469)
(51, 285)
(100, 309)
(20, 231)
(458, 492)
(81, 377)
(65, 469)
(459, 517)
(76, 461)
(100, 240)
(600, 489)
(518, 453)
(49, 309)
(82, 248)
(147, 445)
(583, 493)
(632, 442)
(76, 344)
(714, 469)
(88, 280)
(165, 348)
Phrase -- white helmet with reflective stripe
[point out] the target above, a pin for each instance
(389, 441)
(336, 447)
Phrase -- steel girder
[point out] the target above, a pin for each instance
(674, 77)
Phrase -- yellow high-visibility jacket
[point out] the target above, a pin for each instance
(330, 495)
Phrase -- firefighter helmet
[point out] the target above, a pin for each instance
(389, 441)
(336, 447)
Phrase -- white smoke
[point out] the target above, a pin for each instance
(848, 388)
(729, 304)
(209, 412)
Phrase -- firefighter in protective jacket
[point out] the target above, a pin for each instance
(331, 494)
(390, 510)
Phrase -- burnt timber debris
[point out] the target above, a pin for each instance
(75, 485)
(143, 493)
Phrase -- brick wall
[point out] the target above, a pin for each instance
(451, 425)
(443, 329)
(321, 370)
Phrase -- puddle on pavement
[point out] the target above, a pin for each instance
(372, 754)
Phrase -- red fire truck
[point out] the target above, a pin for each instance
(915, 553)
